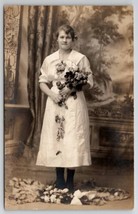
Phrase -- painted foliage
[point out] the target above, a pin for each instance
(105, 36)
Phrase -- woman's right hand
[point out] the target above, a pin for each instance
(55, 97)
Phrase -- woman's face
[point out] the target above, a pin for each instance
(64, 40)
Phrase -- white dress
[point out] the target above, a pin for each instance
(72, 149)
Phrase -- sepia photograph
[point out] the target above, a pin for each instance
(68, 107)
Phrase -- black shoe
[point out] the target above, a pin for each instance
(70, 187)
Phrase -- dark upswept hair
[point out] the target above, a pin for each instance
(68, 30)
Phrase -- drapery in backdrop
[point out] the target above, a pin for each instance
(41, 22)
(12, 47)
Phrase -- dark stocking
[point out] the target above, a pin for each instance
(60, 181)
(70, 179)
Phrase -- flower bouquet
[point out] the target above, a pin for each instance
(74, 79)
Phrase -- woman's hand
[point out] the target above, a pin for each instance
(65, 92)
(55, 97)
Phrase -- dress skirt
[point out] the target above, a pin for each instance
(65, 136)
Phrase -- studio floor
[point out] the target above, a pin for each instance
(116, 175)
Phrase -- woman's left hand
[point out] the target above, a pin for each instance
(65, 92)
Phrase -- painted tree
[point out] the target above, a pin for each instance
(102, 30)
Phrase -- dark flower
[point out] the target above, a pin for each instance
(58, 152)
(60, 85)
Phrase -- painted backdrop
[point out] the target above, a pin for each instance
(105, 36)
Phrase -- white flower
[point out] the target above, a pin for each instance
(46, 199)
(53, 198)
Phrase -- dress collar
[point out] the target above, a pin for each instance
(69, 56)
(74, 56)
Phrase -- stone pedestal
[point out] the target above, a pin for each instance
(17, 126)
(111, 138)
